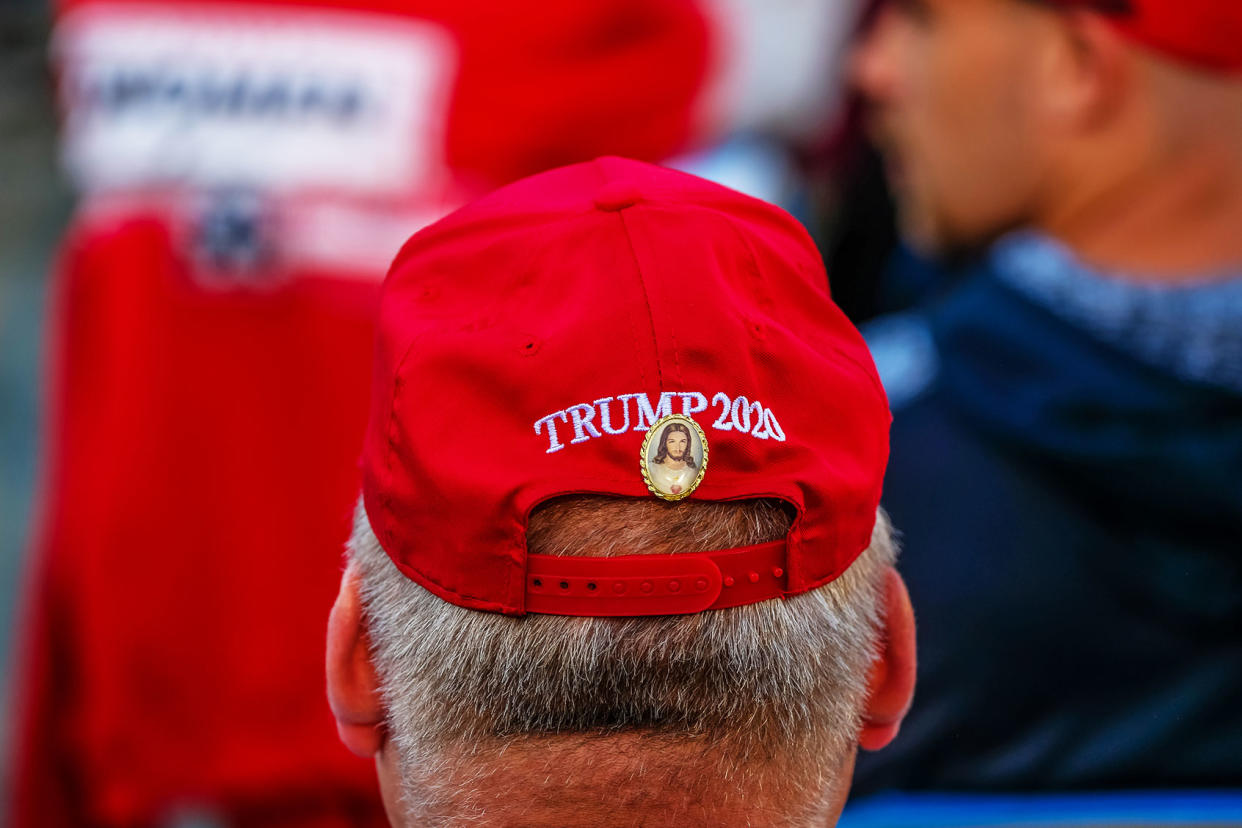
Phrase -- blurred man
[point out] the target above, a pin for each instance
(1068, 428)
(533, 628)
(247, 171)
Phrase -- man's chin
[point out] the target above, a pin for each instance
(934, 240)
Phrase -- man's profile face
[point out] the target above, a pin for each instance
(676, 445)
(951, 91)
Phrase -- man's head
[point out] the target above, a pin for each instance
(996, 114)
(543, 635)
(751, 713)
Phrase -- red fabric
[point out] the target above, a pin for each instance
(1204, 32)
(550, 294)
(613, 76)
(201, 490)
(1207, 33)
(633, 585)
(204, 437)
(540, 87)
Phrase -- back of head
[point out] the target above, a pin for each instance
(746, 715)
(660, 606)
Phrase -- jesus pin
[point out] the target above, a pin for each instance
(674, 457)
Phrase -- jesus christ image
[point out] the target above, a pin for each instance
(673, 468)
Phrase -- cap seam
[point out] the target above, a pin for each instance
(766, 301)
(458, 593)
(833, 575)
(642, 282)
(672, 329)
(869, 374)
(390, 448)
(600, 167)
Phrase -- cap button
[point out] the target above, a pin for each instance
(617, 195)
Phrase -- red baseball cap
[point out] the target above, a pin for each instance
(1207, 33)
(619, 329)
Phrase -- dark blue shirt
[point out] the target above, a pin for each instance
(1067, 472)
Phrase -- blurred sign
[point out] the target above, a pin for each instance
(285, 99)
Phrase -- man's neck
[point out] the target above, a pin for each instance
(621, 779)
(1172, 222)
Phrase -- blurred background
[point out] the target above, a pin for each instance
(199, 199)
(34, 206)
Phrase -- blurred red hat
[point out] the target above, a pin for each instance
(1207, 33)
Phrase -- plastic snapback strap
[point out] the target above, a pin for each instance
(633, 585)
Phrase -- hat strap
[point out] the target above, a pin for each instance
(633, 585)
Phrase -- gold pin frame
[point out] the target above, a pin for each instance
(645, 458)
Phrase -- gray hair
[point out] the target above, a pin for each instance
(780, 683)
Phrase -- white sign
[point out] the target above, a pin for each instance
(284, 99)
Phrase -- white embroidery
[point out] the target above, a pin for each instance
(584, 429)
(599, 418)
(722, 422)
(553, 443)
(690, 410)
(773, 427)
(605, 417)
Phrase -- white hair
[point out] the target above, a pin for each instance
(779, 683)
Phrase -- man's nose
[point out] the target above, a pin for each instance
(873, 60)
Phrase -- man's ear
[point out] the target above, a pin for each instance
(1090, 70)
(353, 691)
(891, 684)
